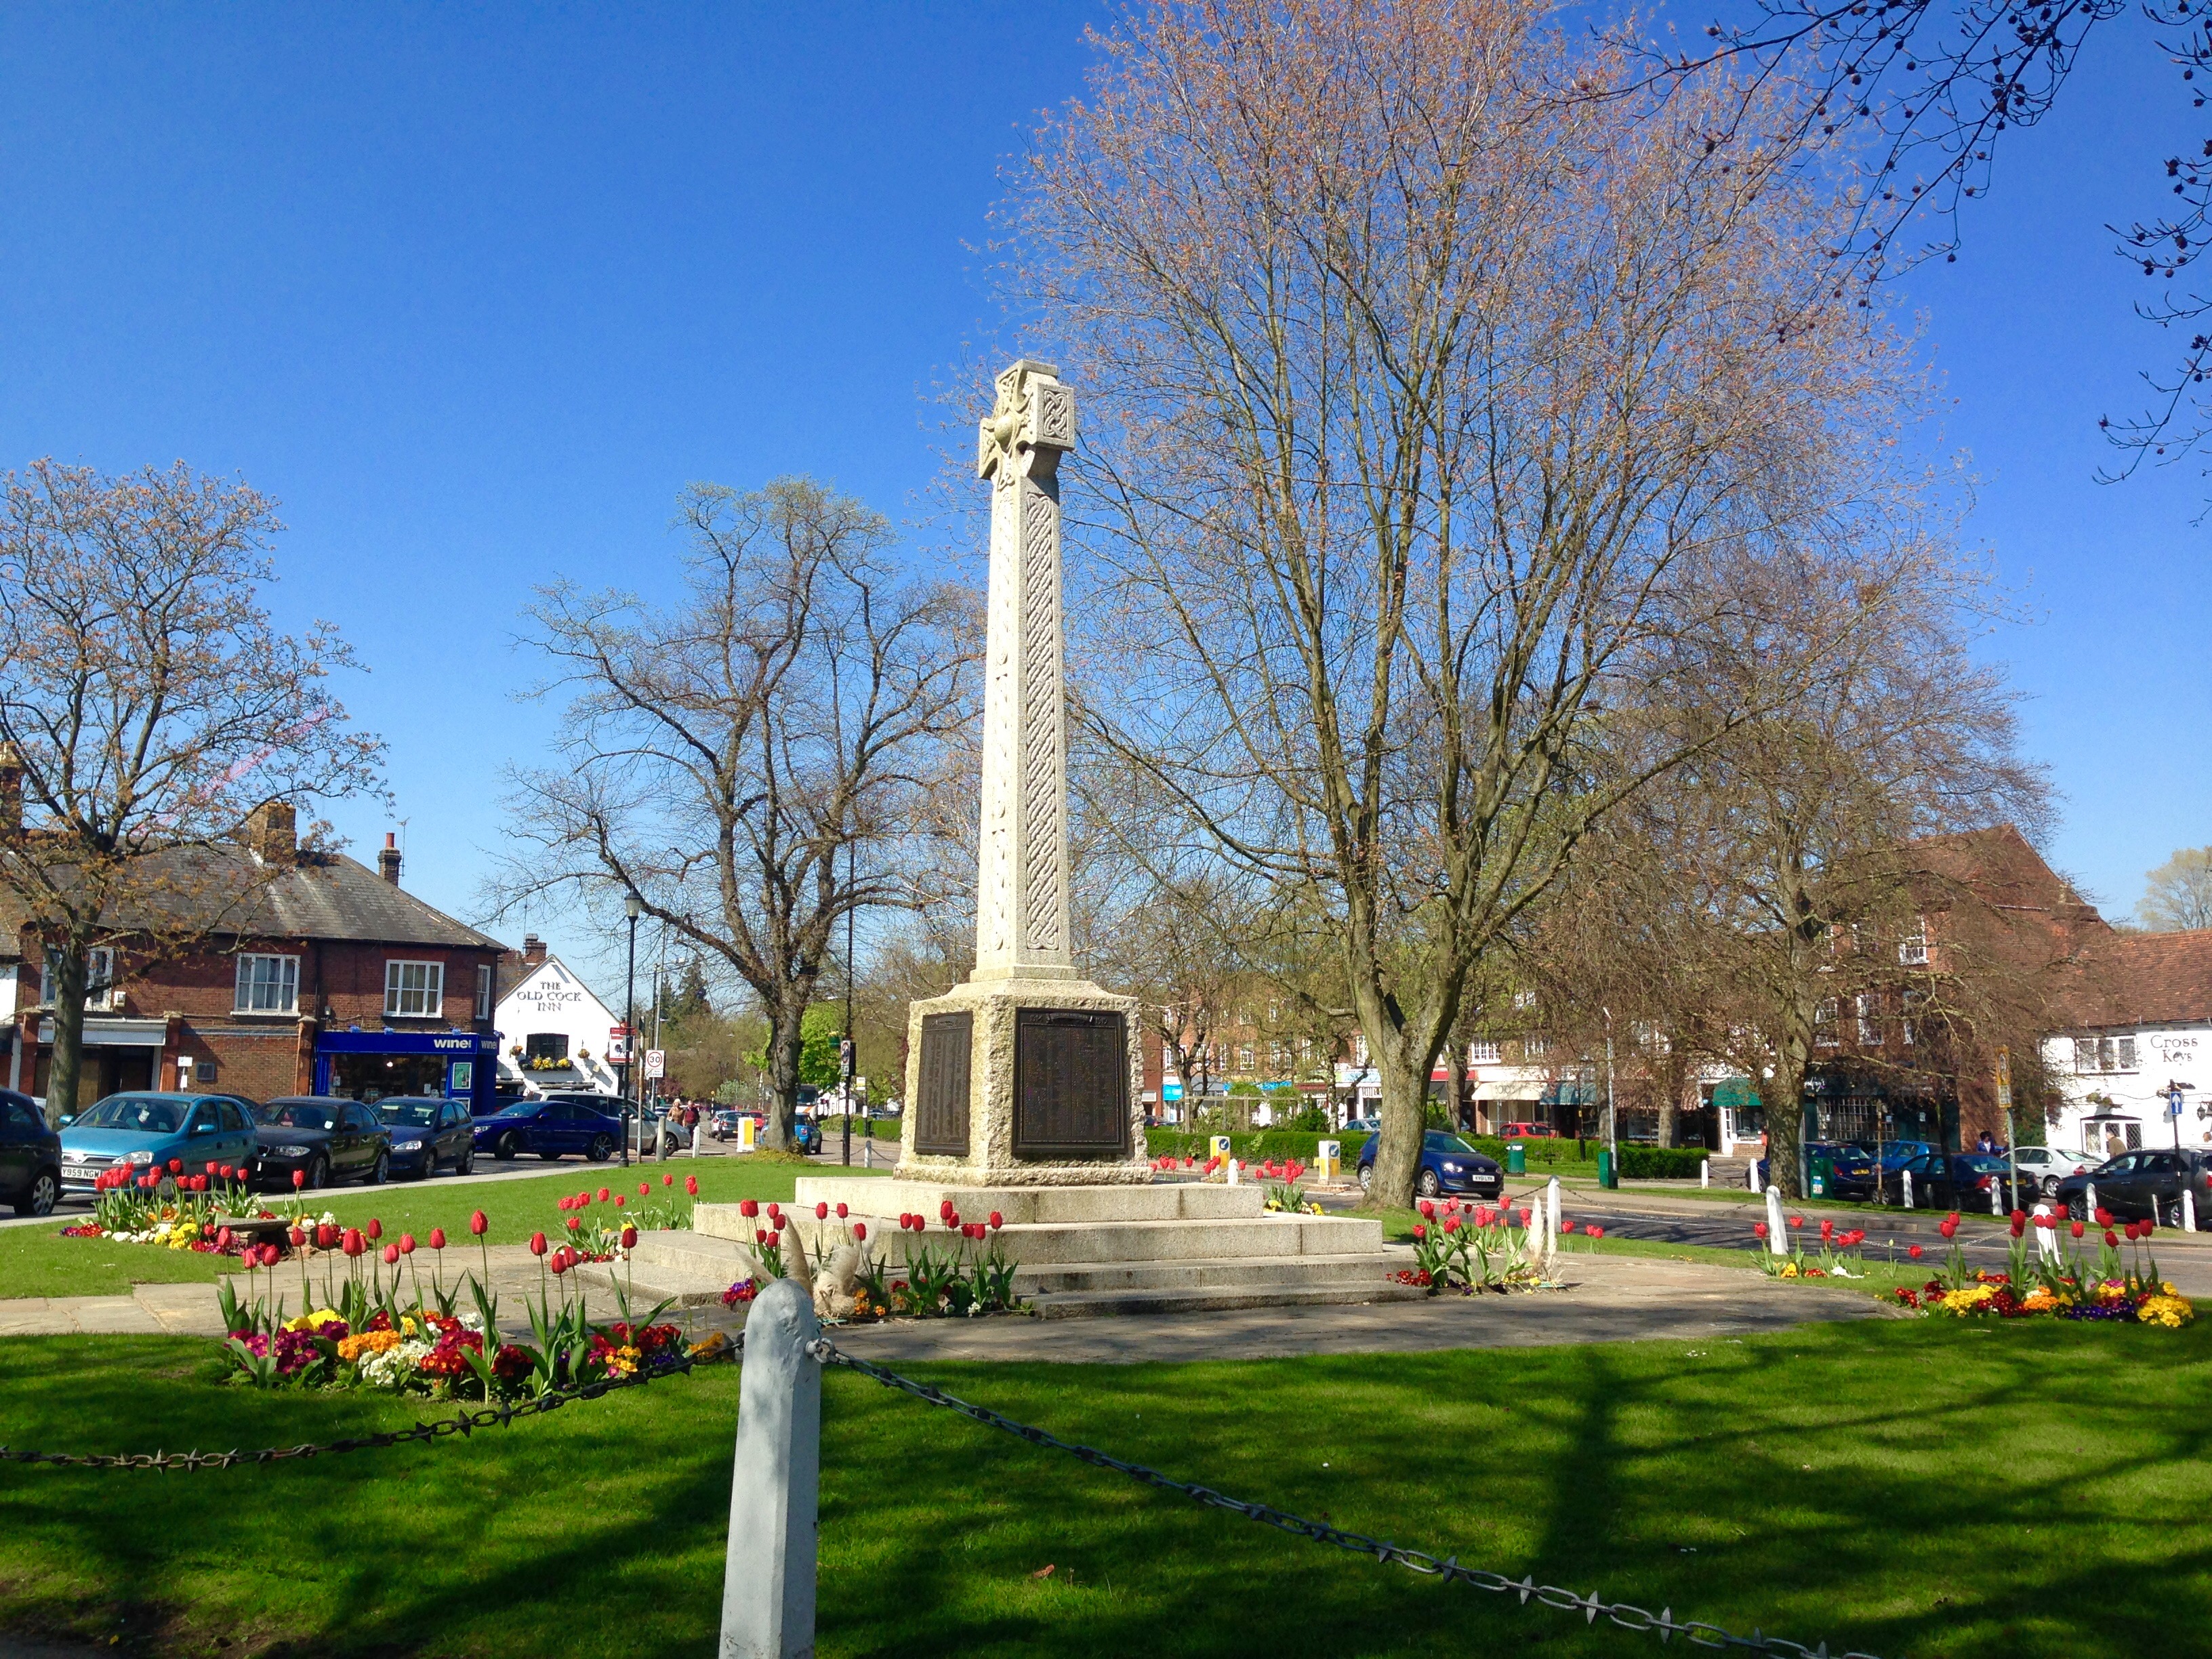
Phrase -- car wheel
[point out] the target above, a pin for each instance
(319, 1173)
(381, 1171)
(466, 1163)
(428, 1167)
(2078, 1208)
(1428, 1186)
(1366, 1177)
(2169, 1214)
(507, 1147)
(44, 1191)
(2051, 1186)
(601, 1149)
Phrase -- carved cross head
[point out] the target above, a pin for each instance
(1034, 412)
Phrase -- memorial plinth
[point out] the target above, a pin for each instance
(1025, 1075)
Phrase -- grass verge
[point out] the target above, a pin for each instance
(1888, 1487)
(38, 1262)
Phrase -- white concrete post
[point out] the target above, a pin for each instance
(1778, 1224)
(2188, 1210)
(768, 1583)
(1705, 1172)
(1550, 1217)
(2047, 1238)
(1751, 1176)
(1907, 1174)
(2089, 1197)
(1996, 1193)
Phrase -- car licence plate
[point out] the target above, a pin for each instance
(76, 1172)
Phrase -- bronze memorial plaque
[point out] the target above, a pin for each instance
(940, 1124)
(1071, 1083)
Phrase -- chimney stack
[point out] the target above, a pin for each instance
(387, 861)
(271, 830)
(533, 951)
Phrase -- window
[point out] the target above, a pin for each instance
(267, 985)
(1244, 1057)
(546, 1045)
(1534, 1048)
(1824, 1024)
(2104, 1053)
(1480, 1054)
(484, 991)
(1912, 949)
(233, 1114)
(99, 976)
(414, 990)
(1869, 1022)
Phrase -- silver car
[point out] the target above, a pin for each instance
(2044, 1167)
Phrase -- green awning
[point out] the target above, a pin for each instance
(1736, 1093)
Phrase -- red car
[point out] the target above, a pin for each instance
(1528, 1132)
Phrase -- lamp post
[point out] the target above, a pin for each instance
(846, 1053)
(632, 907)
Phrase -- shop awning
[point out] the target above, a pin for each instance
(116, 1033)
(1503, 1089)
(1736, 1092)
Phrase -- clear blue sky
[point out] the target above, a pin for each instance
(476, 291)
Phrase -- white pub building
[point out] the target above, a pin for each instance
(554, 1033)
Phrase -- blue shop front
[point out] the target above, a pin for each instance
(367, 1065)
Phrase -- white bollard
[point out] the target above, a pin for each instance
(1233, 1166)
(1996, 1193)
(1907, 1174)
(767, 1581)
(1550, 1217)
(1751, 1176)
(1705, 1172)
(2047, 1238)
(2089, 1199)
(2188, 1210)
(1777, 1226)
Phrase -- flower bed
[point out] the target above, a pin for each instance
(607, 1233)
(969, 1278)
(1470, 1247)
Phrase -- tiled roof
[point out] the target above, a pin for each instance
(325, 896)
(2145, 979)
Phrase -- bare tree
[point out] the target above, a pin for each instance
(1421, 392)
(754, 760)
(2179, 892)
(148, 710)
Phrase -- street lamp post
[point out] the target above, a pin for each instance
(632, 907)
(845, 1053)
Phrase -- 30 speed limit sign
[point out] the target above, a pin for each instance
(655, 1059)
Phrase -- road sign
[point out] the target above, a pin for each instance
(2004, 1079)
(656, 1060)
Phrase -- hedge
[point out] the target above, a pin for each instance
(1661, 1162)
(1256, 1146)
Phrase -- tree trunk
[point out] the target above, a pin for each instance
(66, 994)
(1455, 1084)
(786, 1040)
(1403, 1112)
(1785, 1116)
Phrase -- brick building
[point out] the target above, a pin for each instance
(331, 979)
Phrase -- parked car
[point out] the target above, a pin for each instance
(2046, 1166)
(30, 1157)
(181, 1133)
(1363, 1126)
(427, 1132)
(723, 1125)
(550, 1128)
(324, 1140)
(2145, 1185)
(1528, 1132)
(678, 1136)
(1449, 1164)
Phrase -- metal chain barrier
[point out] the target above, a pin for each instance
(1623, 1614)
(498, 1416)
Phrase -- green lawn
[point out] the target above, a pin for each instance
(1926, 1489)
(38, 1262)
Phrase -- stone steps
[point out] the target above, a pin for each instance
(1368, 1270)
(1101, 1304)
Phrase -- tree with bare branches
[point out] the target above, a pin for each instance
(754, 760)
(1422, 393)
(149, 712)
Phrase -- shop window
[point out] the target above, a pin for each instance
(414, 990)
(267, 985)
(546, 1047)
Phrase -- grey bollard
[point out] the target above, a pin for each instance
(1908, 1188)
(767, 1581)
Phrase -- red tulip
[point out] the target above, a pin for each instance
(2104, 1217)
(1566, 1226)
(1427, 1208)
(1827, 1227)
(952, 1222)
(560, 1265)
(2110, 1240)
(1796, 1220)
(2079, 1229)
(1419, 1231)
(1948, 1225)
(821, 1212)
(353, 1244)
(602, 1194)
(326, 1236)
(176, 1166)
(222, 1239)
(226, 1170)
(628, 1236)
(210, 1166)
(691, 1186)
(375, 1228)
(406, 1244)
(437, 1238)
(945, 1208)
(477, 1224)
(2019, 1223)
(392, 1255)
(841, 1213)
(620, 1200)
(562, 1204)
(299, 1238)
(997, 1221)
(1914, 1253)
(537, 1243)
(575, 1224)
(299, 1179)
(1525, 1213)
(668, 1180)
(774, 1211)
(749, 1208)
(1759, 1230)
(860, 1231)
(1595, 1233)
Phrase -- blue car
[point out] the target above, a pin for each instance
(1449, 1164)
(180, 1134)
(551, 1129)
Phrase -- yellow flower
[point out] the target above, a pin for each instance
(2169, 1311)
(1788, 1270)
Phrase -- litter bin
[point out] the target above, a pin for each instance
(1608, 1177)
(1517, 1159)
(1823, 1172)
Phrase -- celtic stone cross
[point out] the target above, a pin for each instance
(1022, 897)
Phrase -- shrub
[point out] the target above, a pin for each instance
(1661, 1162)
